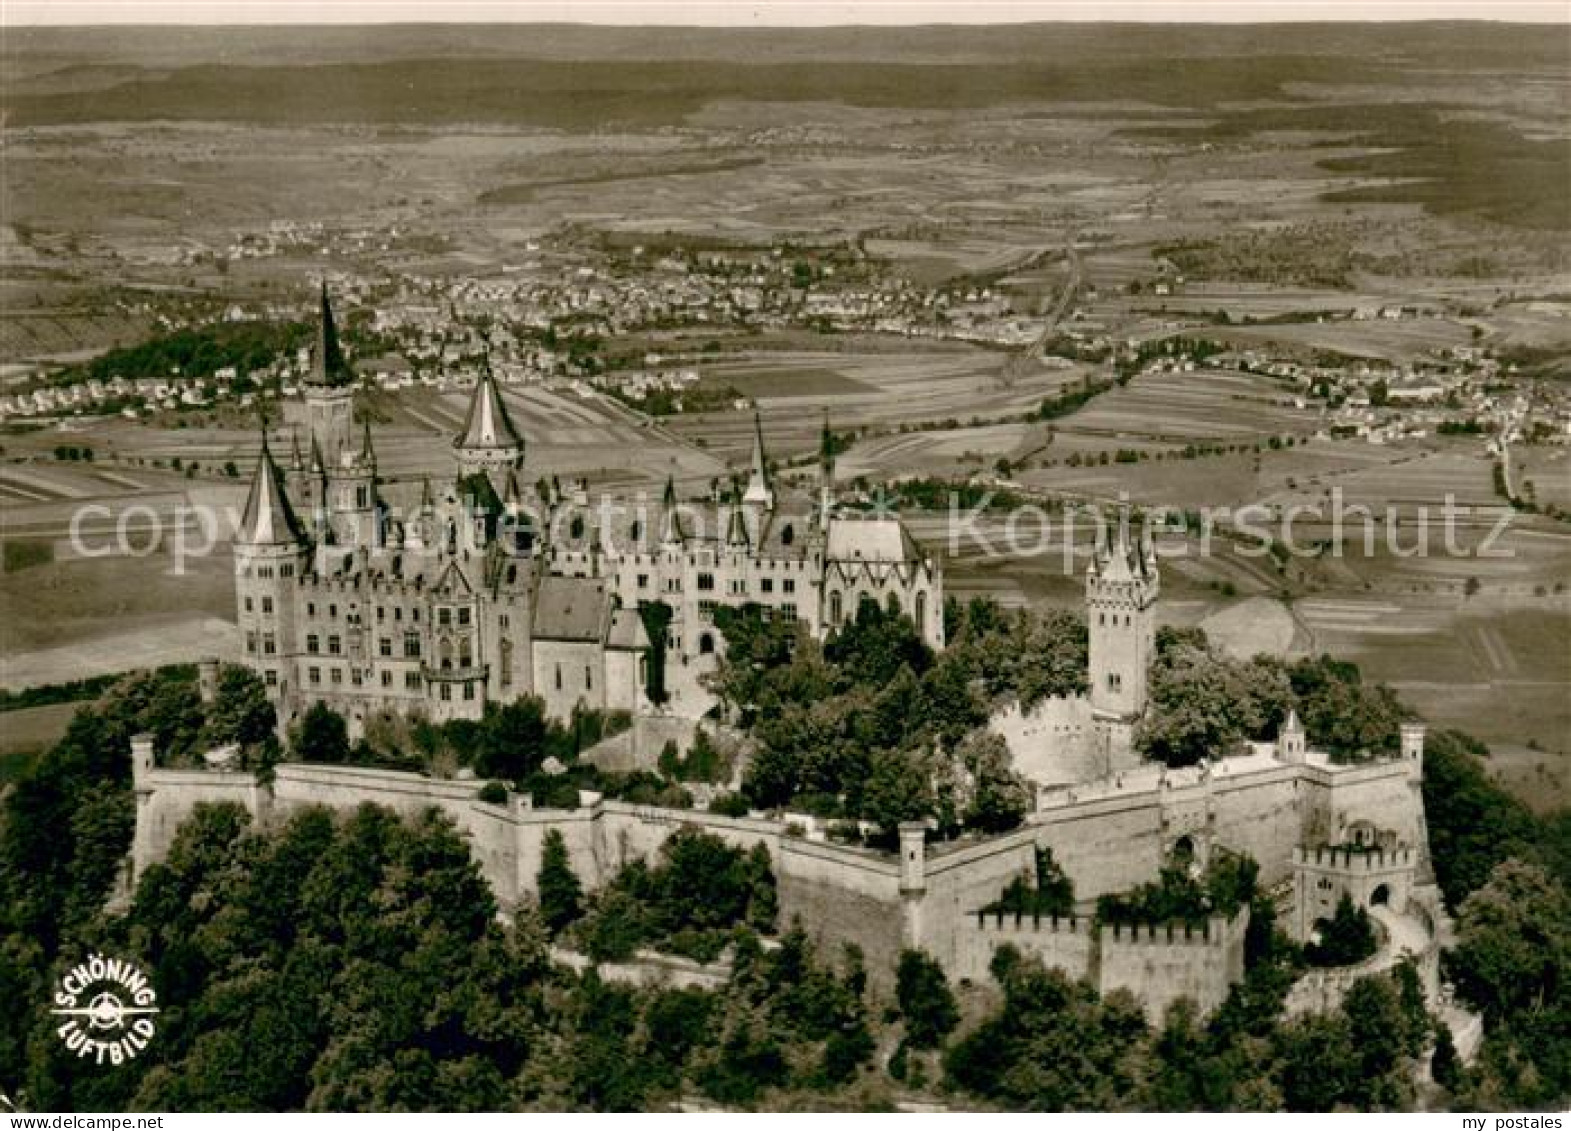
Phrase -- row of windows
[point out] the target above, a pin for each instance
(706, 584)
(335, 676)
(1101, 619)
(285, 569)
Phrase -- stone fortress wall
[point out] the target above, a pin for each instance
(1107, 836)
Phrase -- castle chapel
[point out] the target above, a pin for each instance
(484, 590)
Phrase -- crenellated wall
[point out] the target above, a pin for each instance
(1107, 836)
(1068, 943)
(1159, 965)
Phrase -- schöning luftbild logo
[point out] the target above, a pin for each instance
(109, 1007)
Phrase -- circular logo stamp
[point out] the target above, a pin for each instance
(108, 1005)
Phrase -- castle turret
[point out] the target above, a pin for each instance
(353, 502)
(271, 552)
(1413, 742)
(1292, 744)
(671, 532)
(826, 474)
(489, 441)
(1121, 592)
(329, 391)
(759, 494)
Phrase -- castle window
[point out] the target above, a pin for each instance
(269, 646)
(384, 646)
(314, 675)
(444, 617)
(836, 609)
(362, 498)
(270, 678)
(332, 610)
(414, 615)
(788, 610)
(766, 584)
(412, 681)
(920, 614)
(313, 643)
(469, 690)
(250, 642)
(411, 645)
(398, 614)
(1101, 619)
(589, 678)
(267, 604)
(310, 608)
(463, 615)
(706, 644)
(336, 675)
(447, 692)
(286, 570)
(335, 645)
(643, 581)
(789, 585)
(559, 677)
(381, 614)
(787, 534)
(248, 604)
(706, 582)
(387, 679)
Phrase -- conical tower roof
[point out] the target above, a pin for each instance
(671, 526)
(269, 520)
(328, 367)
(758, 489)
(487, 424)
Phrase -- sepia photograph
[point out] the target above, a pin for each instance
(873, 558)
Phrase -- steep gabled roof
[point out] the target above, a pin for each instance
(328, 367)
(269, 520)
(571, 609)
(487, 424)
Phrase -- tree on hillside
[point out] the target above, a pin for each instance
(561, 895)
(321, 735)
(1345, 938)
(926, 1002)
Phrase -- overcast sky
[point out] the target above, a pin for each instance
(761, 13)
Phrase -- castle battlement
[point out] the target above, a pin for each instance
(1014, 922)
(1354, 858)
(1213, 932)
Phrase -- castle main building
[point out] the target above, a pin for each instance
(482, 591)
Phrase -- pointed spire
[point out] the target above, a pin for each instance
(268, 520)
(1113, 559)
(671, 525)
(296, 460)
(736, 526)
(487, 424)
(367, 453)
(759, 492)
(328, 367)
(513, 496)
(1291, 725)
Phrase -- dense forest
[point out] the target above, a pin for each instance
(356, 961)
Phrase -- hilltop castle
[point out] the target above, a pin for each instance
(472, 598)
(482, 591)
